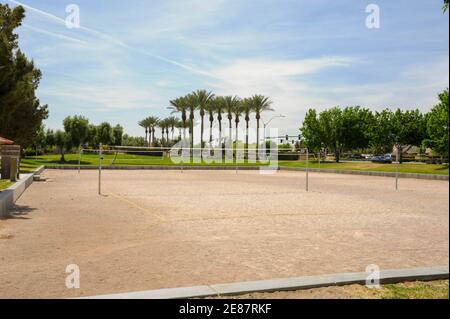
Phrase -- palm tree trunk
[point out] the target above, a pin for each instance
(201, 137)
(236, 140)
(230, 131)
(191, 136)
(220, 139)
(146, 136)
(257, 138)
(246, 141)
(153, 137)
(210, 134)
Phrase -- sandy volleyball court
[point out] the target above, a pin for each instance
(162, 229)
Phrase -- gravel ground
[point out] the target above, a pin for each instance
(162, 229)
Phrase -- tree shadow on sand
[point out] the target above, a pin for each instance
(19, 212)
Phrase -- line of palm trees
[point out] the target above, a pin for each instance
(167, 126)
(214, 108)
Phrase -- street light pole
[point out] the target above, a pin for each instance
(268, 122)
(265, 126)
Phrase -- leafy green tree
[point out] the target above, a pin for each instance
(408, 129)
(356, 126)
(118, 135)
(381, 132)
(77, 128)
(50, 138)
(21, 113)
(331, 123)
(134, 141)
(311, 131)
(437, 126)
(446, 3)
(338, 130)
(40, 140)
(92, 135)
(105, 134)
(62, 142)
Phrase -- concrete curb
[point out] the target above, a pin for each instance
(10, 195)
(370, 173)
(255, 168)
(290, 284)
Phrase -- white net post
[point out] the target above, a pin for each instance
(397, 161)
(319, 161)
(100, 169)
(307, 170)
(79, 159)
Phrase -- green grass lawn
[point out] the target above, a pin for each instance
(122, 159)
(28, 164)
(414, 290)
(4, 184)
(376, 167)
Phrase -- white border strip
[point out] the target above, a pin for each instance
(295, 283)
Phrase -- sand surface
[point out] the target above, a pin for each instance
(163, 229)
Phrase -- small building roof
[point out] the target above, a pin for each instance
(4, 141)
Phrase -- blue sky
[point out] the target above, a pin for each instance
(129, 58)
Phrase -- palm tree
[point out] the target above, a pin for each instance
(191, 102)
(237, 111)
(202, 98)
(144, 123)
(172, 123)
(152, 123)
(247, 108)
(181, 127)
(261, 104)
(180, 105)
(219, 104)
(229, 104)
(162, 124)
(210, 108)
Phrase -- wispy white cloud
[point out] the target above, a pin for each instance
(247, 76)
(115, 40)
(55, 35)
(119, 96)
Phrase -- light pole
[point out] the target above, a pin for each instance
(268, 122)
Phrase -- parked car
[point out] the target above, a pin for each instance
(387, 158)
(356, 156)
